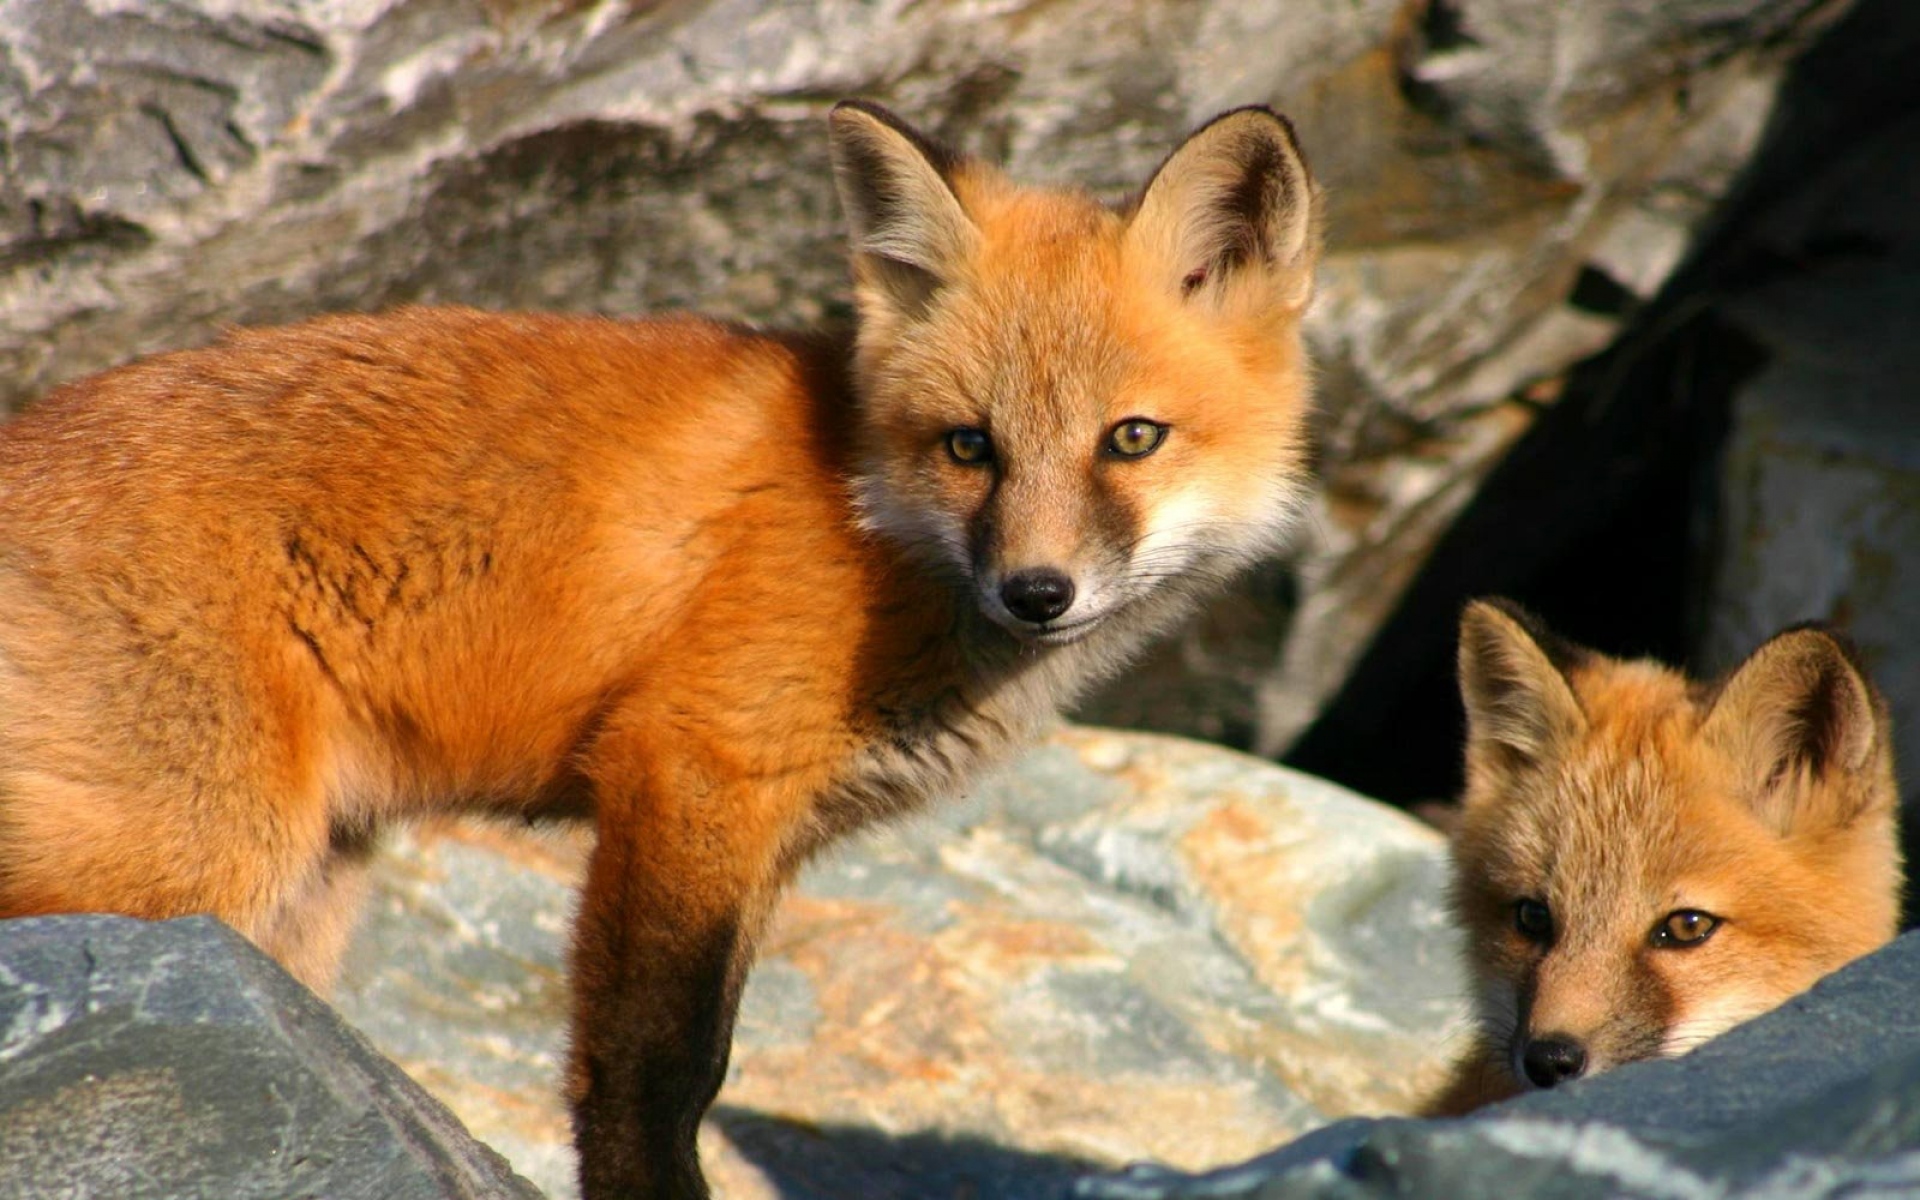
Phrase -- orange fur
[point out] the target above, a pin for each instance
(728, 594)
(1617, 794)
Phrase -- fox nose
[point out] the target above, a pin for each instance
(1038, 595)
(1553, 1059)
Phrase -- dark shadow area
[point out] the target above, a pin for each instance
(1590, 522)
(1602, 518)
(842, 1162)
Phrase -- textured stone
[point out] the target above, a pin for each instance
(142, 1060)
(174, 168)
(1602, 518)
(1820, 494)
(1127, 947)
(1818, 1099)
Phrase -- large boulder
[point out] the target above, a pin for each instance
(161, 1060)
(1127, 947)
(1819, 1099)
(1741, 458)
(1819, 513)
(1507, 178)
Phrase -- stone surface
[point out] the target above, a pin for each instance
(166, 1060)
(174, 168)
(1820, 487)
(1820, 1098)
(1127, 947)
(1612, 518)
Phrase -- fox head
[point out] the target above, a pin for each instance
(1642, 862)
(1067, 407)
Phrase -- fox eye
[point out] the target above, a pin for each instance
(1684, 928)
(969, 446)
(1136, 437)
(1533, 919)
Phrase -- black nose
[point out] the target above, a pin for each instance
(1038, 595)
(1553, 1059)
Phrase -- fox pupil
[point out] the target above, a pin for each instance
(1533, 919)
(1137, 438)
(969, 446)
(1685, 927)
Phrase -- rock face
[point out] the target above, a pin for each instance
(1818, 1099)
(1820, 487)
(1507, 177)
(1127, 947)
(1741, 459)
(141, 1060)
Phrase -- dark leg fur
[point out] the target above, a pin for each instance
(652, 1039)
(671, 910)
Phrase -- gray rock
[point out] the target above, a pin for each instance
(1819, 514)
(1820, 1098)
(1125, 947)
(170, 1060)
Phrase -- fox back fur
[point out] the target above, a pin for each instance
(727, 594)
(1643, 862)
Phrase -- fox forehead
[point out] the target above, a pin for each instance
(1047, 334)
(1635, 820)
(1039, 315)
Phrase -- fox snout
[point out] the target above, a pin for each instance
(1037, 596)
(1048, 605)
(1553, 1059)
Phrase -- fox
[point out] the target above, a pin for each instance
(1642, 861)
(727, 594)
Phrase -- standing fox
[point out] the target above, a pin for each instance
(727, 594)
(1643, 863)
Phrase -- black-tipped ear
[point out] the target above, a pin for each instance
(1233, 215)
(909, 229)
(1521, 711)
(1796, 717)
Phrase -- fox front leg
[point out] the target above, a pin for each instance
(677, 890)
(653, 1028)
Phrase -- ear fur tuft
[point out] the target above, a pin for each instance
(910, 232)
(1520, 707)
(1802, 723)
(1233, 216)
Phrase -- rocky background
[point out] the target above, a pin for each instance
(1704, 194)
(1126, 948)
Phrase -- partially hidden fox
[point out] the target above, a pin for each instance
(1643, 862)
(727, 594)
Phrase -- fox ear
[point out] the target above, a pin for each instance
(1797, 718)
(1520, 708)
(1232, 217)
(909, 230)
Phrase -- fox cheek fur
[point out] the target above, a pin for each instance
(1068, 407)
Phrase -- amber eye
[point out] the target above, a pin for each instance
(969, 446)
(1684, 928)
(1533, 919)
(1136, 438)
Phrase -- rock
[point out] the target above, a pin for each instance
(175, 168)
(1730, 465)
(151, 1060)
(1819, 515)
(1820, 1098)
(1127, 947)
